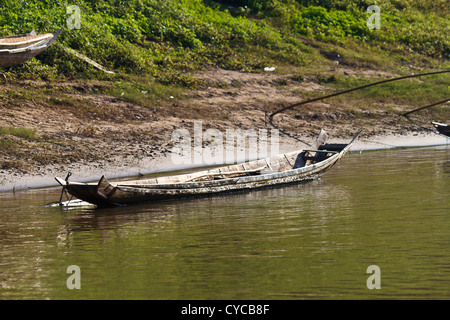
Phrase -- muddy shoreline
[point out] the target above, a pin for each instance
(85, 128)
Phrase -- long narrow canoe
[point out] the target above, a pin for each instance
(16, 50)
(293, 167)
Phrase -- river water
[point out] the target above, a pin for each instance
(388, 208)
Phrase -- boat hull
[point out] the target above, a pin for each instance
(298, 167)
(12, 54)
(123, 195)
(13, 59)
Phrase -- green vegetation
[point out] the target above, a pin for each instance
(159, 48)
(408, 91)
(145, 93)
(168, 40)
(29, 134)
(10, 145)
(7, 145)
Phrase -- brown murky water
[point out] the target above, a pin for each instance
(386, 208)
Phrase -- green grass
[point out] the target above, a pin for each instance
(417, 91)
(25, 133)
(146, 93)
(12, 146)
(168, 40)
(7, 145)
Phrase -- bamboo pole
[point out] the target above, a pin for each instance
(353, 89)
(84, 58)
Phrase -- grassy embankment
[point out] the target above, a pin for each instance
(157, 49)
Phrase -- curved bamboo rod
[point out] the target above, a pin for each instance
(352, 89)
(428, 106)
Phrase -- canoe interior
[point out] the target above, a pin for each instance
(280, 163)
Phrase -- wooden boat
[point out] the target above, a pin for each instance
(294, 167)
(16, 50)
(442, 128)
